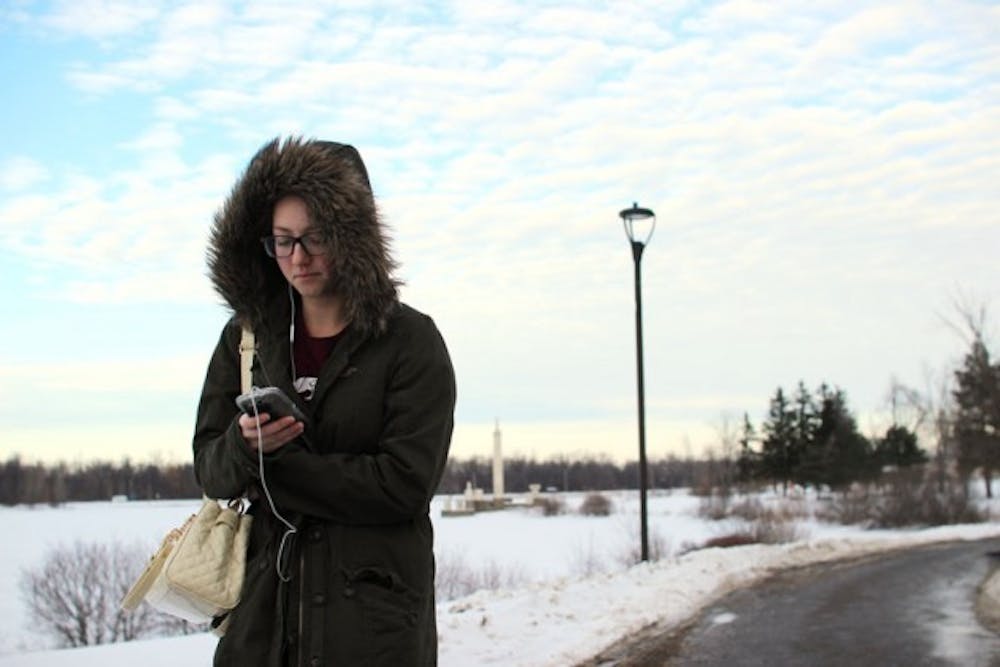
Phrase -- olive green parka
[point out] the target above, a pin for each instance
(357, 484)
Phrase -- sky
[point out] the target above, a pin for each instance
(575, 595)
(824, 178)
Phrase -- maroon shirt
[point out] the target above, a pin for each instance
(310, 354)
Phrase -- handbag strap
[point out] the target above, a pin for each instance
(247, 349)
(248, 346)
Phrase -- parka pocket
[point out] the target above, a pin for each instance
(390, 611)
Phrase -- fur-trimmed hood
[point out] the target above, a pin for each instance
(333, 181)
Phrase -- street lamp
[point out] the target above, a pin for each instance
(639, 225)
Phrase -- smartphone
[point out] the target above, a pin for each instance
(271, 400)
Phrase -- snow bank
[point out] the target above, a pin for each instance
(570, 621)
(565, 621)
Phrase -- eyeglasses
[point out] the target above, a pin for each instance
(313, 243)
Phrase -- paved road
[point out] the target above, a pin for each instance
(912, 608)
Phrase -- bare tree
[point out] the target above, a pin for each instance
(940, 407)
(727, 431)
(909, 408)
(74, 595)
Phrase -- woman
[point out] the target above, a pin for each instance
(299, 254)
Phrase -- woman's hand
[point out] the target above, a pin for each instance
(273, 435)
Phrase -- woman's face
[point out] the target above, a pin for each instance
(310, 275)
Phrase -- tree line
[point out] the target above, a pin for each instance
(562, 473)
(37, 483)
(808, 438)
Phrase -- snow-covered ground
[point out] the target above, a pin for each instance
(566, 589)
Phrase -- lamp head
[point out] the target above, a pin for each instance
(639, 223)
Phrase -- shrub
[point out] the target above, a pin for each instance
(906, 499)
(853, 507)
(596, 504)
(714, 507)
(550, 505)
(752, 509)
(766, 525)
(775, 528)
(748, 510)
(720, 506)
(908, 502)
(73, 596)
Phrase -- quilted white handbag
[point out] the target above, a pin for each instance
(200, 566)
(197, 573)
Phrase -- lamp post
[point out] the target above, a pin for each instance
(639, 225)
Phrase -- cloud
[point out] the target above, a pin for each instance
(810, 168)
(180, 374)
(132, 235)
(197, 41)
(171, 109)
(162, 137)
(171, 286)
(858, 34)
(99, 19)
(21, 173)
(99, 82)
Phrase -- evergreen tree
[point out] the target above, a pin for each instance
(840, 454)
(977, 422)
(778, 456)
(899, 448)
(805, 428)
(748, 463)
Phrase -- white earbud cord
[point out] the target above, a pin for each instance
(291, 529)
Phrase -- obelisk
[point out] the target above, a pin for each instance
(497, 467)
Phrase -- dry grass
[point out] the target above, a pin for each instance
(658, 546)
(714, 506)
(732, 540)
(456, 578)
(773, 523)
